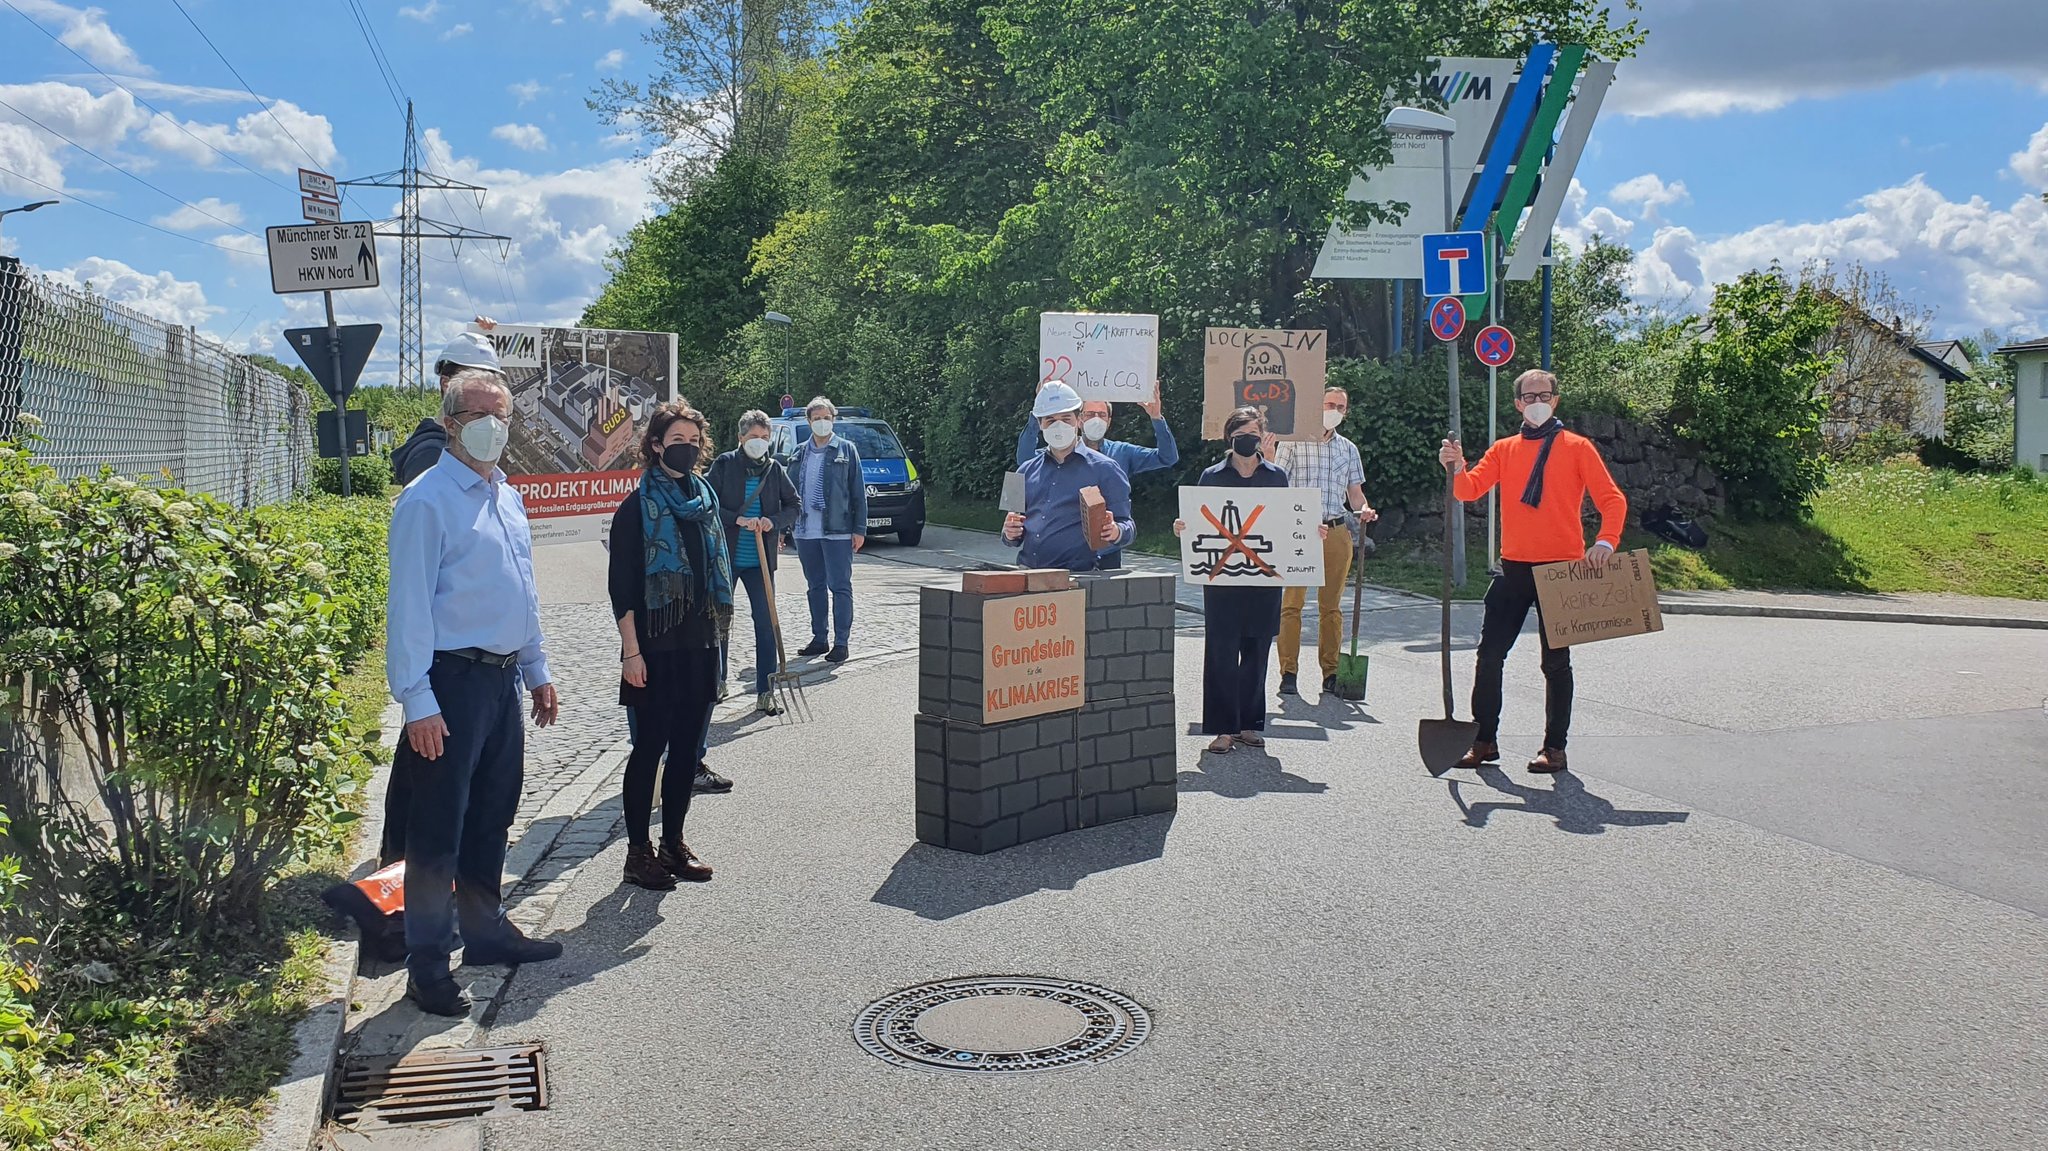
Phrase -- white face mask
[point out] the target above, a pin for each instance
(821, 427)
(1095, 427)
(755, 448)
(1331, 418)
(1537, 414)
(1059, 437)
(484, 438)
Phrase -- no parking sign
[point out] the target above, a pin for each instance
(1495, 346)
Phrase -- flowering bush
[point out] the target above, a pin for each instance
(194, 652)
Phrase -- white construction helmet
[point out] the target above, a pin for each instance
(1054, 399)
(470, 350)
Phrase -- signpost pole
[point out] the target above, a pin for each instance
(1493, 414)
(1456, 511)
(340, 393)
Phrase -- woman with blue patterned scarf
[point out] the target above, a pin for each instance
(671, 591)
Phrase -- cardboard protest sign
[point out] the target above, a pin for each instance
(1580, 605)
(1035, 655)
(1101, 355)
(1251, 537)
(1282, 373)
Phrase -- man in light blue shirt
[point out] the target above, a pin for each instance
(462, 632)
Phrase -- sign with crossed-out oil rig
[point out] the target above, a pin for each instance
(1251, 537)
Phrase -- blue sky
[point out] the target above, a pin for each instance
(1911, 136)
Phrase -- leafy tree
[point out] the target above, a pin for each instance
(1749, 394)
(1979, 414)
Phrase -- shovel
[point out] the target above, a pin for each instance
(1351, 667)
(787, 685)
(1445, 741)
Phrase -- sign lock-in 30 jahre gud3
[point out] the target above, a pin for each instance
(1034, 657)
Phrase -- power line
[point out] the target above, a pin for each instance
(73, 199)
(124, 171)
(201, 140)
(377, 57)
(179, 5)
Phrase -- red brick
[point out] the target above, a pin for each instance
(1095, 517)
(1048, 579)
(993, 583)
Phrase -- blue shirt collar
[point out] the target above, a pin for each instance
(466, 477)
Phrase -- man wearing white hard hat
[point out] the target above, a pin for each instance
(1134, 459)
(1052, 532)
(423, 447)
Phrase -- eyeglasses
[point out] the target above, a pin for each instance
(1537, 397)
(475, 414)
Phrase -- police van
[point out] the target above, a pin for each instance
(895, 494)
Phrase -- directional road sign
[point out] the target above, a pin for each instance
(318, 184)
(322, 257)
(1454, 264)
(319, 211)
(1447, 318)
(312, 346)
(1494, 346)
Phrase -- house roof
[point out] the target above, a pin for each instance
(2040, 345)
(1941, 348)
(1926, 355)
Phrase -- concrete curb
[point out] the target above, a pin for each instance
(300, 1108)
(1854, 615)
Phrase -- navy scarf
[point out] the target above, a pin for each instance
(1532, 493)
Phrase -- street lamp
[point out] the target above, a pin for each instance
(1422, 122)
(6, 212)
(785, 323)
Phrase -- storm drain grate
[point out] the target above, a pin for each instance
(1001, 1025)
(437, 1086)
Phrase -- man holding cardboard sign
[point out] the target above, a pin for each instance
(1547, 473)
(1077, 501)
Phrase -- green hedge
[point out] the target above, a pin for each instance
(351, 535)
(367, 475)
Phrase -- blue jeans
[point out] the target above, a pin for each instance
(828, 567)
(461, 810)
(754, 579)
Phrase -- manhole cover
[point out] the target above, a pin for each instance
(1001, 1025)
(436, 1086)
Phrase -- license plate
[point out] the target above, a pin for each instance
(882, 523)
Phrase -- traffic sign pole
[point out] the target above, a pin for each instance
(341, 393)
(1492, 416)
(1456, 512)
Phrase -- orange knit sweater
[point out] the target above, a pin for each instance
(1551, 531)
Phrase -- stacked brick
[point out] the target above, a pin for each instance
(985, 787)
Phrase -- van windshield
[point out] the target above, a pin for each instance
(873, 439)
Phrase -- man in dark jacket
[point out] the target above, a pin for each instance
(423, 447)
(755, 496)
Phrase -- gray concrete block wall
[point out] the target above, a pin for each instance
(982, 788)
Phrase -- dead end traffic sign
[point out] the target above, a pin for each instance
(322, 257)
(1494, 346)
(1447, 318)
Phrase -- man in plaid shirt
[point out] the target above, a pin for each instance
(1330, 465)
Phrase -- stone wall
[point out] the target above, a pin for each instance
(1652, 468)
(985, 787)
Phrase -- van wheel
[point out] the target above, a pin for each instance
(908, 537)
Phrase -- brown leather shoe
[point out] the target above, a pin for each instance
(683, 863)
(644, 869)
(1482, 753)
(1549, 761)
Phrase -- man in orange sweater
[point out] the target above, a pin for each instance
(1547, 473)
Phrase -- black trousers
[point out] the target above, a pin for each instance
(1234, 683)
(1508, 600)
(670, 718)
(460, 811)
(405, 764)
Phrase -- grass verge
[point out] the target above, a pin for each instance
(177, 1045)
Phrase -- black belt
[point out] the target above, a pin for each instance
(1336, 521)
(479, 655)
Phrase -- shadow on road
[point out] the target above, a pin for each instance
(939, 884)
(1567, 802)
(1244, 773)
(612, 934)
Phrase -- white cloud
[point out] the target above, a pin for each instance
(525, 137)
(1978, 265)
(243, 248)
(162, 295)
(209, 212)
(265, 140)
(97, 122)
(2031, 165)
(1710, 57)
(158, 90)
(628, 10)
(86, 31)
(1648, 193)
(425, 13)
(458, 31)
(34, 156)
(527, 91)
(611, 61)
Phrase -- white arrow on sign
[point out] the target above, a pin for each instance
(322, 257)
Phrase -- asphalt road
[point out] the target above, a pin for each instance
(1791, 897)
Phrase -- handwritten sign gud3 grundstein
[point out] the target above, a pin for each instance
(1580, 605)
(1251, 537)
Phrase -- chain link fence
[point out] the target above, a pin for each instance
(113, 386)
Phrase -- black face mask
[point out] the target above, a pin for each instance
(680, 458)
(1246, 445)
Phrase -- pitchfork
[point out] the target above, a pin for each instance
(787, 685)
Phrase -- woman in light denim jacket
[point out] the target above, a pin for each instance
(831, 525)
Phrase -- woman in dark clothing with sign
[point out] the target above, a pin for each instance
(671, 591)
(1239, 622)
(755, 495)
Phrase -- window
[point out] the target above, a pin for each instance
(2044, 379)
(874, 439)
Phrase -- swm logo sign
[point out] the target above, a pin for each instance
(1459, 86)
